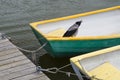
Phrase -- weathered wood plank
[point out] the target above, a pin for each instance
(2, 41)
(41, 78)
(6, 48)
(4, 44)
(12, 60)
(8, 51)
(31, 76)
(8, 56)
(17, 68)
(12, 65)
(19, 73)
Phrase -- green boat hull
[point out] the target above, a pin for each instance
(67, 48)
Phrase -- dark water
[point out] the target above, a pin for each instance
(15, 16)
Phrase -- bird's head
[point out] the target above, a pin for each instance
(79, 22)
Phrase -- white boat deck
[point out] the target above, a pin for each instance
(102, 64)
(14, 65)
(112, 57)
(105, 23)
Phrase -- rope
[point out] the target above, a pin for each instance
(4, 36)
(65, 66)
(67, 73)
(34, 51)
(34, 58)
(55, 70)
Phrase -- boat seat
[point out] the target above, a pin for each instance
(105, 71)
(55, 33)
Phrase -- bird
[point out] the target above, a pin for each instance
(73, 29)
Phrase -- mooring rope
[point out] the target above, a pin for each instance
(34, 51)
(4, 36)
(64, 66)
(55, 70)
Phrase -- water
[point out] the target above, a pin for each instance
(15, 16)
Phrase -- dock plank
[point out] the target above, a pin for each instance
(17, 68)
(30, 76)
(6, 48)
(8, 56)
(5, 43)
(19, 73)
(8, 51)
(40, 78)
(14, 65)
(2, 41)
(12, 60)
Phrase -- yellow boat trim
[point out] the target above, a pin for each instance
(35, 24)
(85, 37)
(76, 59)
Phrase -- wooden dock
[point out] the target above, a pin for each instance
(14, 65)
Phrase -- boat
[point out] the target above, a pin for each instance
(99, 29)
(98, 65)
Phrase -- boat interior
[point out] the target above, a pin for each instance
(99, 24)
(103, 64)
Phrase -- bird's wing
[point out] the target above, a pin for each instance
(75, 26)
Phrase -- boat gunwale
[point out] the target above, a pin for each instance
(35, 24)
(76, 60)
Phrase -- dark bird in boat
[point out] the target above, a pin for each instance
(73, 29)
